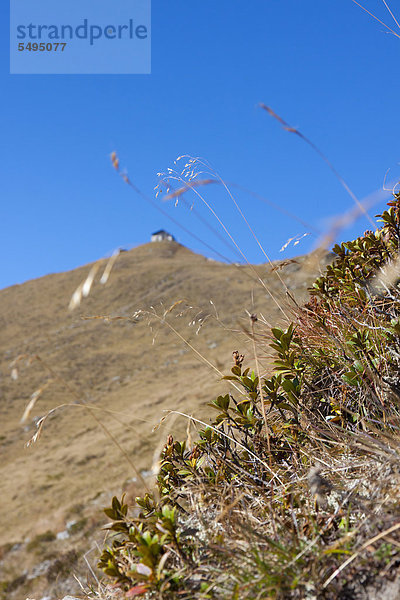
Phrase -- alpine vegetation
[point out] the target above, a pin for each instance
(291, 490)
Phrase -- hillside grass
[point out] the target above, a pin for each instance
(109, 367)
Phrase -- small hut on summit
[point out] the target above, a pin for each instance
(160, 236)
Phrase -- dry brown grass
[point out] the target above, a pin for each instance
(88, 355)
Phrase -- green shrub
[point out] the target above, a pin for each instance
(246, 512)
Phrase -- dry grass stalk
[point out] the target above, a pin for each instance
(389, 29)
(294, 130)
(83, 289)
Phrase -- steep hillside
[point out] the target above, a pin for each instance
(127, 370)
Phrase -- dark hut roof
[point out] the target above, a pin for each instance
(161, 231)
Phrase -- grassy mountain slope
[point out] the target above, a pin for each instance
(132, 368)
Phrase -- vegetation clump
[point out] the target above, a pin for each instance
(292, 490)
(40, 540)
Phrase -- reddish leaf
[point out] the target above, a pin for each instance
(137, 590)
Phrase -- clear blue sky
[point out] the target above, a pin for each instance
(323, 65)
